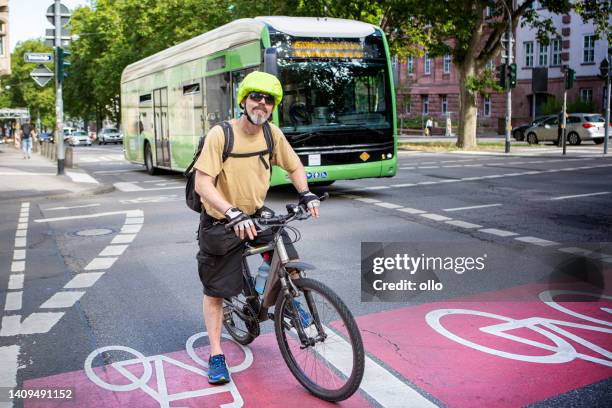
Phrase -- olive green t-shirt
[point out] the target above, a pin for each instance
(243, 181)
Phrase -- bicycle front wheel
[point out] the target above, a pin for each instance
(331, 363)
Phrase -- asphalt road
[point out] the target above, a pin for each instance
(119, 269)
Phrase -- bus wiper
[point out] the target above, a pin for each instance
(302, 137)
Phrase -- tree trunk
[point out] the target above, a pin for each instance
(468, 109)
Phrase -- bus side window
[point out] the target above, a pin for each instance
(218, 103)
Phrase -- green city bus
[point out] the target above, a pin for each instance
(338, 110)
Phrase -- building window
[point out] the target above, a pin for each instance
(555, 55)
(542, 55)
(427, 64)
(586, 95)
(410, 65)
(528, 48)
(425, 104)
(588, 52)
(408, 103)
(487, 106)
(447, 63)
(444, 104)
(1, 45)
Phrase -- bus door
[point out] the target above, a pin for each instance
(162, 134)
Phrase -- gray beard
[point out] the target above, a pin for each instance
(258, 119)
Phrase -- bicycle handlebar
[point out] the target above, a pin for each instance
(294, 211)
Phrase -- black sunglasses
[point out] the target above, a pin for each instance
(258, 96)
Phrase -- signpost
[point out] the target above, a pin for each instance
(39, 57)
(41, 75)
(59, 15)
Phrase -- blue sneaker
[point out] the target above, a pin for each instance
(305, 317)
(217, 370)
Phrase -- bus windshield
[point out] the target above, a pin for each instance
(333, 93)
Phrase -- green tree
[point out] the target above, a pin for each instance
(462, 29)
(23, 91)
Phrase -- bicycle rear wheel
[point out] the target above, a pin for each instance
(331, 366)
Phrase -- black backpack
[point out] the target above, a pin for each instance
(192, 198)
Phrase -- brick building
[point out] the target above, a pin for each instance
(430, 87)
(576, 47)
(5, 52)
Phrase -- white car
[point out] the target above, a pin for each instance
(110, 135)
(79, 138)
(580, 127)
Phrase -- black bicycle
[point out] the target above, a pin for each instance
(316, 333)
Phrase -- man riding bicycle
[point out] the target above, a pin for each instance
(233, 188)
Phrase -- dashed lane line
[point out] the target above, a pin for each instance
(71, 207)
(41, 321)
(471, 207)
(463, 224)
(537, 241)
(581, 195)
(498, 232)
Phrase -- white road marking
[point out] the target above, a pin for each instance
(18, 266)
(463, 224)
(84, 280)
(537, 241)
(62, 300)
(35, 323)
(407, 168)
(131, 229)
(81, 177)
(21, 233)
(581, 195)
(429, 167)
(388, 205)
(498, 232)
(402, 185)
(375, 188)
(470, 208)
(16, 281)
(78, 217)
(382, 386)
(19, 254)
(22, 219)
(123, 239)
(134, 220)
(100, 264)
(113, 250)
(13, 300)
(126, 187)
(367, 200)
(411, 210)
(22, 225)
(70, 208)
(435, 217)
(20, 242)
(575, 251)
(9, 355)
(423, 183)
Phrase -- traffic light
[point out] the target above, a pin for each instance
(512, 75)
(62, 62)
(502, 75)
(570, 77)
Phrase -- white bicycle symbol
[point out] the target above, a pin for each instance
(161, 394)
(563, 351)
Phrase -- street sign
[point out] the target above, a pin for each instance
(64, 14)
(40, 57)
(41, 75)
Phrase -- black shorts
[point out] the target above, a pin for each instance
(220, 256)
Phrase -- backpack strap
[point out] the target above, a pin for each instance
(228, 145)
(195, 156)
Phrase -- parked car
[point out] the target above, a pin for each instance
(79, 138)
(45, 136)
(580, 127)
(110, 135)
(519, 132)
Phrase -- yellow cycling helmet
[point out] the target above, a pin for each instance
(262, 82)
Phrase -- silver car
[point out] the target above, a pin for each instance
(580, 127)
(79, 138)
(110, 135)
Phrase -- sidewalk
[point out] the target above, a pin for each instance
(37, 177)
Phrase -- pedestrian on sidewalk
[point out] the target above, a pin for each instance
(26, 139)
(428, 127)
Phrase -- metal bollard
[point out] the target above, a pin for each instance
(68, 157)
(45, 149)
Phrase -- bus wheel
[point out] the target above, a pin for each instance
(149, 160)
